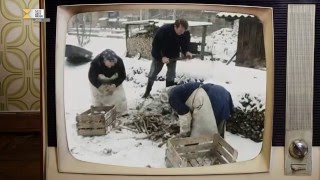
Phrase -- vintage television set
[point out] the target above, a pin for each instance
(262, 53)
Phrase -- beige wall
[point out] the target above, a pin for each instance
(19, 57)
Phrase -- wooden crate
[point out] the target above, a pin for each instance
(199, 151)
(96, 121)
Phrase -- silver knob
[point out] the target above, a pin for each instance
(298, 149)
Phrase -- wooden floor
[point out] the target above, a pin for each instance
(20, 152)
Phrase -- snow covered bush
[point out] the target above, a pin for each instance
(248, 119)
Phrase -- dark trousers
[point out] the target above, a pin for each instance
(156, 67)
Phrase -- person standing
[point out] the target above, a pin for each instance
(106, 75)
(168, 42)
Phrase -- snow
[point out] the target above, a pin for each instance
(161, 22)
(115, 20)
(103, 18)
(222, 43)
(121, 147)
(191, 23)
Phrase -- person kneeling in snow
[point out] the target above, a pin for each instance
(106, 74)
(204, 107)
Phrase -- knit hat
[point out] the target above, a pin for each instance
(109, 55)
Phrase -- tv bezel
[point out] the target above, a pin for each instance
(69, 164)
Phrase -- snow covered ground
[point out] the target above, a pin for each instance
(121, 147)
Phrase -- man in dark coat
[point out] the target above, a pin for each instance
(106, 74)
(168, 42)
(205, 106)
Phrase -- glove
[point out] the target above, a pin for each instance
(164, 98)
(185, 124)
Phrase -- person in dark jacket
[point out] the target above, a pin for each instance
(106, 74)
(205, 106)
(168, 42)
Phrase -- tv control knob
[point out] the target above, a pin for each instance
(298, 149)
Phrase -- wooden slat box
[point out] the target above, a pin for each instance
(199, 151)
(96, 121)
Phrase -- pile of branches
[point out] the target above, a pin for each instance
(248, 120)
(154, 126)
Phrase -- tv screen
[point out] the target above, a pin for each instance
(228, 58)
(145, 90)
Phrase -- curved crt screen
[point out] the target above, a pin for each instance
(164, 88)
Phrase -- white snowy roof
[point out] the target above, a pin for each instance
(160, 22)
(207, 11)
(228, 14)
(103, 18)
(138, 22)
(191, 23)
(115, 20)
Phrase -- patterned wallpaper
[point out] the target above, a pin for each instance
(19, 57)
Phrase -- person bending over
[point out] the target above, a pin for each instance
(202, 108)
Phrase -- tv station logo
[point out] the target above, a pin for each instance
(37, 15)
